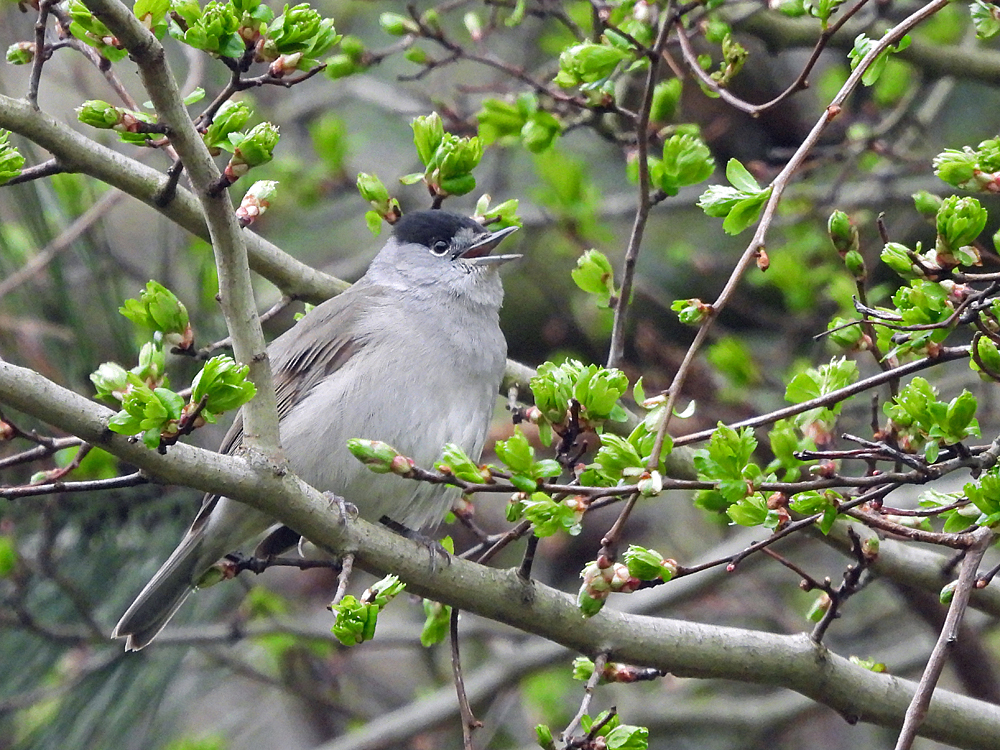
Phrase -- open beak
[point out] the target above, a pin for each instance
(479, 251)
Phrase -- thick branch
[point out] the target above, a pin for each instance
(77, 153)
(778, 32)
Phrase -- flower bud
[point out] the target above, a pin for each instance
(256, 201)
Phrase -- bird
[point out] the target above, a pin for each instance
(411, 354)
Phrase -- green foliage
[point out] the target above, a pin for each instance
(500, 216)
(436, 623)
(456, 462)
(927, 203)
(732, 358)
(356, 618)
(448, 159)
(128, 123)
(589, 65)
(521, 120)
(548, 516)
(251, 149)
(93, 32)
(734, 55)
(374, 191)
(921, 303)
(594, 275)
(21, 53)
(596, 389)
(810, 503)
(158, 309)
(785, 441)
(296, 39)
(815, 383)
(568, 192)
(379, 457)
(843, 234)
(727, 462)
(666, 100)
(921, 421)
(985, 495)
(230, 118)
(223, 386)
(215, 29)
(519, 457)
(11, 160)
(863, 45)
(353, 59)
(687, 160)
(740, 204)
(691, 312)
(617, 736)
(976, 169)
(600, 582)
(959, 223)
(986, 18)
(648, 564)
(822, 9)
(985, 357)
(395, 24)
(150, 412)
(8, 556)
(157, 412)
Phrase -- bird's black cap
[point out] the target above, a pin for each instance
(427, 227)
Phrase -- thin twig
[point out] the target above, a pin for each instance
(346, 566)
(616, 351)
(45, 169)
(41, 53)
(588, 696)
(469, 720)
(946, 354)
(88, 485)
(917, 710)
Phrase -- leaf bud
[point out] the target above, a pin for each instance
(396, 25)
(21, 53)
(379, 457)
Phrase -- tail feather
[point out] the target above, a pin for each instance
(221, 527)
(161, 597)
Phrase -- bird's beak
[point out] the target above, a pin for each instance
(479, 251)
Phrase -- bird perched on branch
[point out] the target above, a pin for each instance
(412, 355)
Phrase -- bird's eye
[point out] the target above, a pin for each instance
(440, 247)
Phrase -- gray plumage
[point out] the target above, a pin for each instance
(412, 354)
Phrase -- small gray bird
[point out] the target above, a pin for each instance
(412, 354)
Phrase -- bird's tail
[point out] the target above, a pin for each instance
(161, 597)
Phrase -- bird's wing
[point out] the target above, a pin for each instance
(302, 357)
